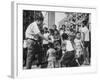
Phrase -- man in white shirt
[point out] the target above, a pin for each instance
(85, 32)
(33, 47)
(86, 40)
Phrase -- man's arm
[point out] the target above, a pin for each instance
(40, 35)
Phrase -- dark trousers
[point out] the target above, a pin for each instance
(33, 48)
(68, 58)
(45, 47)
(24, 56)
(87, 45)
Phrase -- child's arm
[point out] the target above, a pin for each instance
(63, 46)
(51, 40)
(82, 44)
(47, 54)
(63, 54)
(83, 36)
(74, 45)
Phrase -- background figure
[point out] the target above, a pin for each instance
(86, 39)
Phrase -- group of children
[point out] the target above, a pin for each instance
(61, 50)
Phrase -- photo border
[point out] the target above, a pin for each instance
(17, 70)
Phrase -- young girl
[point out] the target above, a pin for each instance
(68, 51)
(51, 35)
(51, 54)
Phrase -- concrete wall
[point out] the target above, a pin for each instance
(51, 18)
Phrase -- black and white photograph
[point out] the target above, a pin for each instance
(56, 39)
(52, 40)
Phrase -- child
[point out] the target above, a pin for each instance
(51, 36)
(56, 35)
(45, 43)
(78, 46)
(51, 56)
(61, 31)
(57, 47)
(68, 51)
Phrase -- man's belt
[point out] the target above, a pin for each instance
(37, 42)
(32, 39)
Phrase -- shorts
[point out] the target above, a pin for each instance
(78, 53)
(68, 57)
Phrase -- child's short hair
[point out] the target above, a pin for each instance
(55, 25)
(64, 36)
(51, 45)
(84, 23)
(63, 25)
(51, 31)
(45, 29)
(71, 30)
(78, 32)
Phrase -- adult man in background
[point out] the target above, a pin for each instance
(86, 40)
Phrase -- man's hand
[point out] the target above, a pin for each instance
(50, 41)
(40, 35)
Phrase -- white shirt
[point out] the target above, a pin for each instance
(68, 45)
(51, 38)
(32, 31)
(78, 43)
(78, 46)
(46, 35)
(85, 30)
(51, 54)
(61, 32)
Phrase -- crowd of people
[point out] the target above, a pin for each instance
(53, 47)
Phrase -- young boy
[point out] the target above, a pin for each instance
(68, 51)
(51, 54)
(78, 46)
